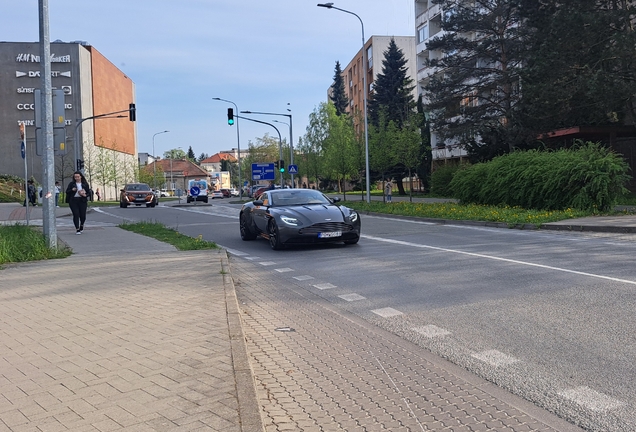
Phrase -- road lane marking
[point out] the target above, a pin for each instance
(543, 266)
(387, 312)
(303, 278)
(325, 286)
(431, 331)
(591, 399)
(267, 263)
(284, 270)
(495, 358)
(352, 297)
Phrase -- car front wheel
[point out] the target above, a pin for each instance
(274, 235)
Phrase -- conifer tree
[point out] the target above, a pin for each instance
(392, 90)
(338, 96)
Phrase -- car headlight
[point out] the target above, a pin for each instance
(290, 220)
(353, 216)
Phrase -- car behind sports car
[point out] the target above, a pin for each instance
(137, 194)
(297, 216)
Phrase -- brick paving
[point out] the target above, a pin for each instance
(118, 343)
(331, 371)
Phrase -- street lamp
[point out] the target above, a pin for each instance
(238, 145)
(364, 83)
(154, 164)
(291, 138)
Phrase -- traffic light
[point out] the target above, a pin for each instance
(281, 166)
(276, 165)
(230, 116)
(80, 164)
(132, 112)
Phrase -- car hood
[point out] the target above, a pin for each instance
(314, 213)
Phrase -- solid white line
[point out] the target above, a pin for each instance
(547, 267)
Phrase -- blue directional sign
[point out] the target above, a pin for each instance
(195, 191)
(292, 169)
(23, 149)
(263, 171)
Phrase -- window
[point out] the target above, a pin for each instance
(422, 33)
(370, 56)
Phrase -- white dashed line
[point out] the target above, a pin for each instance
(267, 263)
(284, 270)
(325, 286)
(431, 331)
(352, 297)
(591, 399)
(387, 312)
(495, 358)
(302, 278)
(252, 258)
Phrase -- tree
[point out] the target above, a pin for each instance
(174, 154)
(338, 95)
(202, 157)
(392, 91)
(339, 147)
(423, 170)
(477, 93)
(315, 135)
(581, 67)
(191, 155)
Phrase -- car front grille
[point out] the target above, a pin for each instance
(326, 227)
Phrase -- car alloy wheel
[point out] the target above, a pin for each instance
(274, 237)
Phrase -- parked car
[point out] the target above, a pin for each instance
(234, 192)
(216, 194)
(137, 194)
(295, 216)
(226, 193)
(164, 193)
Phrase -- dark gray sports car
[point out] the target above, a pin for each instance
(298, 216)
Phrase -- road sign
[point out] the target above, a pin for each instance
(23, 149)
(195, 191)
(263, 171)
(292, 169)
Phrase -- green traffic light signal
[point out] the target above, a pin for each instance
(230, 116)
(281, 166)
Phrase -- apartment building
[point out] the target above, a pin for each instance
(374, 48)
(428, 24)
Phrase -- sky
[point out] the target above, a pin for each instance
(273, 56)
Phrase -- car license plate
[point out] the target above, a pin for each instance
(329, 234)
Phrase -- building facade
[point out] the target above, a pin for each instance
(428, 24)
(353, 73)
(92, 86)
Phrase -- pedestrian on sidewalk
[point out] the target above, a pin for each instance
(388, 190)
(98, 194)
(57, 193)
(31, 194)
(77, 199)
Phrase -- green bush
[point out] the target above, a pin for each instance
(441, 179)
(587, 177)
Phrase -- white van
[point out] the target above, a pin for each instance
(202, 185)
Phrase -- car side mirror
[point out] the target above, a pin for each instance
(335, 199)
(258, 202)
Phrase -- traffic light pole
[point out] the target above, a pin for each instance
(78, 123)
(280, 142)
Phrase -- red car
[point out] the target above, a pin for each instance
(226, 193)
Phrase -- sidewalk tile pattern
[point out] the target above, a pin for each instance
(112, 347)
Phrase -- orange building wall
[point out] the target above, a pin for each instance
(112, 91)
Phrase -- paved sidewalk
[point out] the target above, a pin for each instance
(120, 337)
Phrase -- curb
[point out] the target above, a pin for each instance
(249, 411)
(590, 228)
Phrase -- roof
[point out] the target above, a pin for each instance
(181, 166)
(216, 158)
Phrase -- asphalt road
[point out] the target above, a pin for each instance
(546, 315)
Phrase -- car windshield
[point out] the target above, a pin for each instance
(295, 197)
(138, 187)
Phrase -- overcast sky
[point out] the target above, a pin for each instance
(267, 56)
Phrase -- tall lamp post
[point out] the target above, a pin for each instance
(291, 138)
(238, 146)
(364, 83)
(154, 165)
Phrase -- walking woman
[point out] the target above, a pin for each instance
(77, 199)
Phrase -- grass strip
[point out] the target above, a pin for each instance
(162, 233)
(22, 243)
